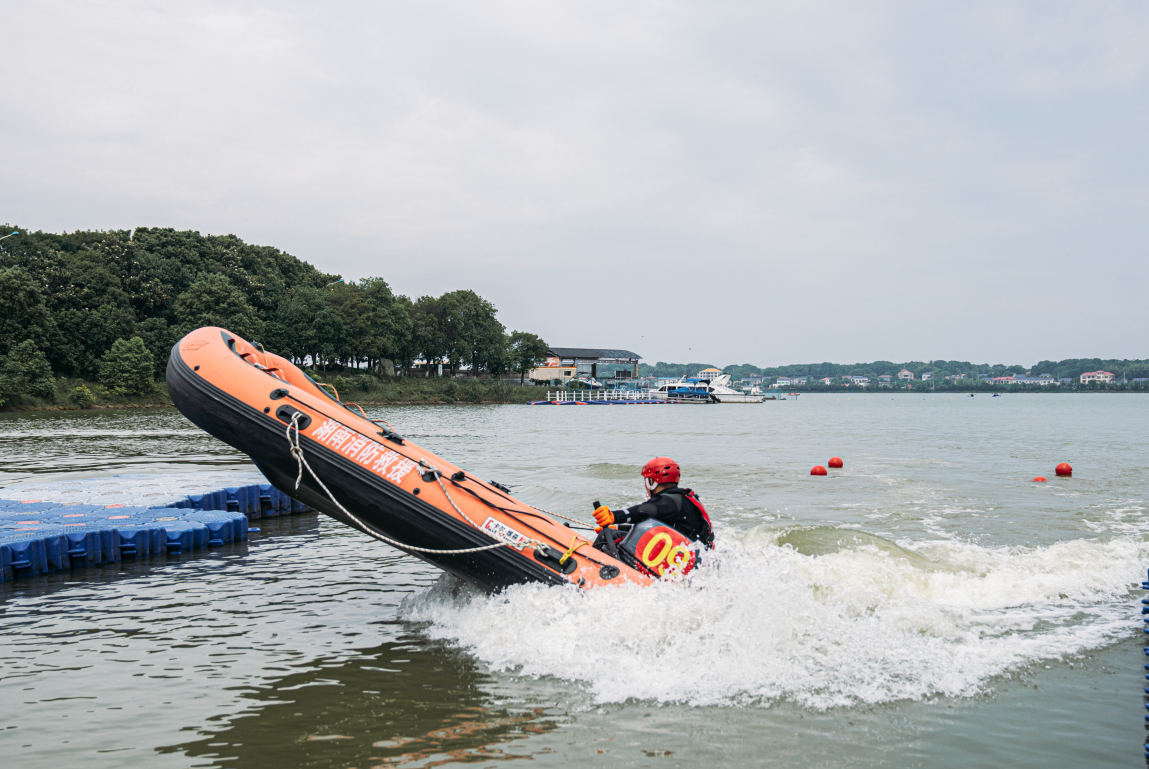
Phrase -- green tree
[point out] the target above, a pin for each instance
(37, 370)
(497, 359)
(391, 322)
(213, 301)
(375, 324)
(82, 397)
(25, 371)
(405, 350)
(23, 314)
(429, 339)
(12, 381)
(474, 334)
(358, 318)
(84, 334)
(159, 338)
(98, 286)
(527, 351)
(128, 367)
(306, 325)
(329, 331)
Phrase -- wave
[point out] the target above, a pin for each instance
(820, 616)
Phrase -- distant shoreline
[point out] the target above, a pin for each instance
(770, 395)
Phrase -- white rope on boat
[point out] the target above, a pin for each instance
(301, 461)
(584, 524)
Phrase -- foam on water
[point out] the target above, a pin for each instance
(854, 619)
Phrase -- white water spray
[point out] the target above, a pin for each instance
(865, 621)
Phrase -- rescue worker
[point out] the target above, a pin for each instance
(676, 507)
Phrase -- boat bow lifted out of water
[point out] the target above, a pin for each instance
(364, 474)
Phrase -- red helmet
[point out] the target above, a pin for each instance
(661, 470)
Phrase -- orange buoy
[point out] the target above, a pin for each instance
(1064, 469)
(818, 470)
(1040, 479)
(835, 462)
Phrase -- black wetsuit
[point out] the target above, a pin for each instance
(677, 508)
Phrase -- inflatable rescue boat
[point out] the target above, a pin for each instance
(361, 472)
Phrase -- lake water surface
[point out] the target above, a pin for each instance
(928, 605)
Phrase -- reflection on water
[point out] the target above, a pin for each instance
(407, 702)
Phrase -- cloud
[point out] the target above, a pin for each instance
(763, 182)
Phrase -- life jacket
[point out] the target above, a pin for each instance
(684, 497)
(707, 537)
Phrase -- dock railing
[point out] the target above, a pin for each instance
(599, 395)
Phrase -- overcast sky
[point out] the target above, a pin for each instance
(724, 182)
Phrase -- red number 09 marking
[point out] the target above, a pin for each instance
(660, 552)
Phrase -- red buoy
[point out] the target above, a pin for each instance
(835, 461)
(1064, 469)
(818, 470)
(1040, 479)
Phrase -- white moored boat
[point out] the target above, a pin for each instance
(704, 390)
(722, 392)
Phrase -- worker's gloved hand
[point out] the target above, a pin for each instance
(603, 516)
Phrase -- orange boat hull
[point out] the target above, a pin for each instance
(376, 480)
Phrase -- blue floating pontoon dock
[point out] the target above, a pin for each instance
(607, 403)
(605, 397)
(62, 525)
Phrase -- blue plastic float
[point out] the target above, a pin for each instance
(1145, 619)
(65, 524)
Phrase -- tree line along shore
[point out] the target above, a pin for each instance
(941, 375)
(375, 391)
(88, 318)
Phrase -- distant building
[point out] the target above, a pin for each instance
(800, 380)
(955, 377)
(1139, 381)
(566, 363)
(1002, 380)
(782, 381)
(1044, 379)
(830, 380)
(906, 374)
(927, 376)
(1065, 380)
(709, 373)
(860, 381)
(1096, 376)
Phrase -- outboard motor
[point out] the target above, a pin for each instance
(656, 549)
